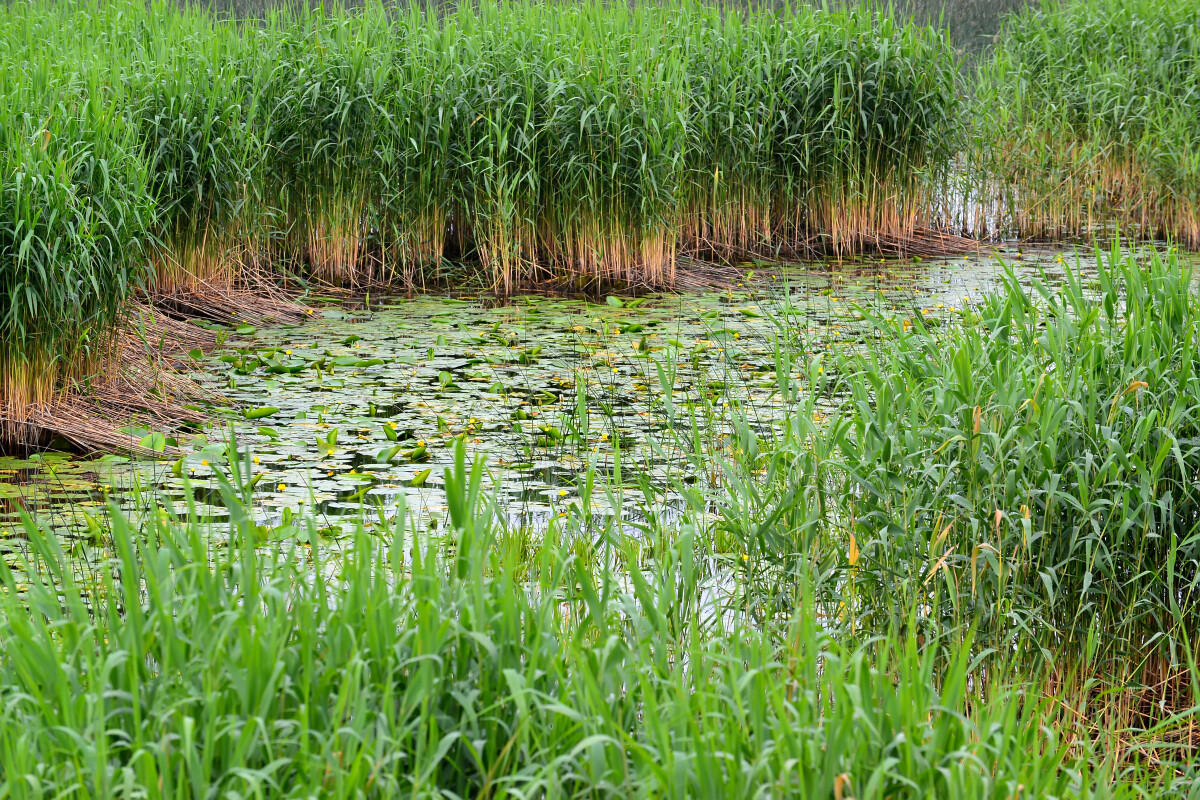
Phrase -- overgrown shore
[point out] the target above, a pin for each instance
(209, 167)
(962, 564)
(959, 558)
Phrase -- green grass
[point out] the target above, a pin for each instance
(478, 664)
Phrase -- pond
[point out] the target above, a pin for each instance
(358, 408)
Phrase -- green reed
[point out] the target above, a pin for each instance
(75, 220)
(239, 660)
(590, 142)
(1087, 116)
(1024, 472)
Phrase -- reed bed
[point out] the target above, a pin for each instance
(165, 152)
(479, 662)
(1088, 118)
(75, 211)
(1025, 473)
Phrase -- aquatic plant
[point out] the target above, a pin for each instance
(75, 218)
(1087, 115)
(1026, 473)
(816, 131)
(191, 102)
(470, 664)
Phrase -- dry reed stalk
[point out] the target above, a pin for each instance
(411, 249)
(207, 261)
(333, 253)
(135, 378)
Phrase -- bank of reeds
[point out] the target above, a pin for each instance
(1088, 118)
(479, 663)
(817, 132)
(74, 211)
(170, 153)
(1025, 470)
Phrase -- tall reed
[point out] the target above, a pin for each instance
(817, 131)
(551, 142)
(1088, 117)
(473, 665)
(1026, 473)
(75, 217)
(192, 103)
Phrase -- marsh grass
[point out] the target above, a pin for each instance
(1087, 115)
(480, 662)
(1025, 473)
(75, 213)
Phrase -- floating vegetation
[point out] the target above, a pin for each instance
(545, 387)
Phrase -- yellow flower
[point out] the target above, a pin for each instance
(420, 442)
(256, 459)
(562, 492)
(745, 557)
(280, 487)
(287, 352)
(204, 462)
(603, 436)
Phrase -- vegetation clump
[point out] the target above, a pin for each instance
(1088, 116)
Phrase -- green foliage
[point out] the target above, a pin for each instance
(1088, 112)
(1028, 473)
(834, 128)
(75, 217)
(1048, 456)
(472, 665)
